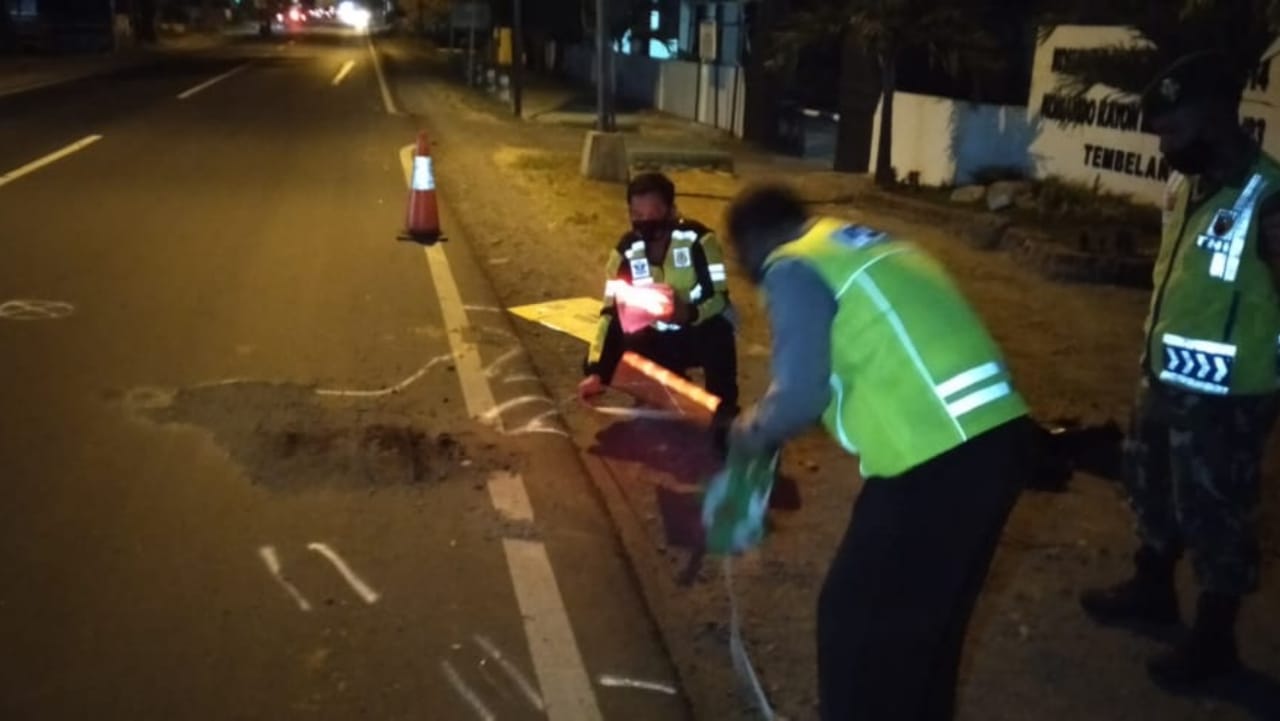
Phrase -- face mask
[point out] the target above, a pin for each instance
(1191, 159)
(651, 230)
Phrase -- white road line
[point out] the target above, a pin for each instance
(509, 497)
(188, 93)
(268, 554)
(517, 676)
(55, 156)
(369, 595)
(342, 73)
(382, 82)
(466, 693)
(624, 682)
(561, 672)
(391, 390)
(562, 675)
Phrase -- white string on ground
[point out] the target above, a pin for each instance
(738, 650)
(272, 561)
(612, 681)
(517, 676)
(357, 584)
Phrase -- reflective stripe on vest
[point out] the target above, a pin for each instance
(1201, 365)
(1227, 244)
(956, 394)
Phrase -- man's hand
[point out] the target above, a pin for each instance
(590, 387)
(682, 313)
(743, 438)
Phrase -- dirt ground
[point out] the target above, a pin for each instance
(544, 233)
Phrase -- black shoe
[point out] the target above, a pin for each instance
(1148, 597)
(1208, 652)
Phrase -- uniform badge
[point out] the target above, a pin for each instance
(858, 236)
(681, 257)
(1223, 222)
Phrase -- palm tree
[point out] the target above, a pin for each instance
(1242, 29)
(879, 33)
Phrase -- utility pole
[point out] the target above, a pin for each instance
(604, 82)
(517, 59)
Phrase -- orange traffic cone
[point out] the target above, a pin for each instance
(423, 223)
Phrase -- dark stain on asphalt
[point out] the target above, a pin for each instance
(286, 438)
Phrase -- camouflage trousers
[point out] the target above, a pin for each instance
(1192, 468)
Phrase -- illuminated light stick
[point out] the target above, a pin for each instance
(640, 306)
(656, 386)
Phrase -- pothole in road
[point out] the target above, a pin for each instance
(286, 438)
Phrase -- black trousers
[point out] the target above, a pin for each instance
(711, 346)
(897, 599)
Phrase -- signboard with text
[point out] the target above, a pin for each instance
(1107, 143)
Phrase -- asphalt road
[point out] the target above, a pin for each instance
(258, 459)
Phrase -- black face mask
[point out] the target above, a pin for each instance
(1191, 159)
(651, 230)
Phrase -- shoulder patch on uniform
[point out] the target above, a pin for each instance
(859, 236)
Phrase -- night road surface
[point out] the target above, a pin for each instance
(260, 460)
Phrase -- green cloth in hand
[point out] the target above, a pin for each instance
(736, 501)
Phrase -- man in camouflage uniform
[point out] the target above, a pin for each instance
(1208, 398)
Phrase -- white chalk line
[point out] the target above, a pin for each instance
(471, 697)
(493, 368)
(192, 91)
(268, 554)
(357, 584)
(387, 101)
(342, 72)
(521, 378)
(612, 681)
(53, 157)
(482, 308)
(495, 413)
(539, 425)
(390, 390)
(517, 676)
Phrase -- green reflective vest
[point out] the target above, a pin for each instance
(1214, 321)
(914, 372)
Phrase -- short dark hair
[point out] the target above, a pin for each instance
(764, 209)
(652, 183)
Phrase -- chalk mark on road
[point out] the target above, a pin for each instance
(521, 378)
(471, 697)
(517, 676)
(390, 390)
(35, 309)
(268, 554)
(357, 584)
(493, 368)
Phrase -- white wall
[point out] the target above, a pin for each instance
(709, 94)
(1111, 149)
(946, 140)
